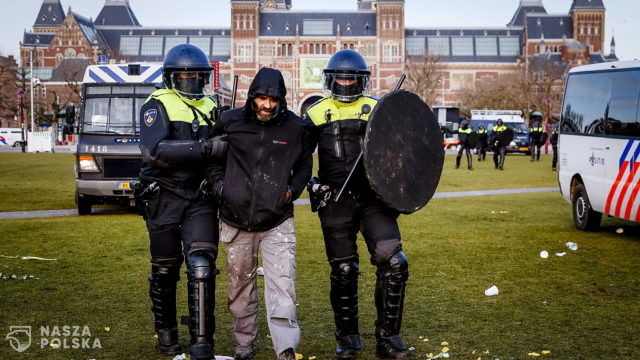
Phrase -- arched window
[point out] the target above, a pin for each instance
(324, 48)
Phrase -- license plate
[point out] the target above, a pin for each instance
(124, 185)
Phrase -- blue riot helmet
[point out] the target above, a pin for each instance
(499, 122)
(464, 124)
(536, 123)
(187, 70)
(346, 76)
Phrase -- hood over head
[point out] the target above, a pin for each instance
(268, 82)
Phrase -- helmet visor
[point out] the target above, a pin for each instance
(192, 84)
(346, 87)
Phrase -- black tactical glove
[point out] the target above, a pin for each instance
(319, 194)
(216, 147)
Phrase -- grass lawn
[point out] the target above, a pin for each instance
(583, 305)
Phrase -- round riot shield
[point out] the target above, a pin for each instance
(505, 137)
(472, 140)
(543, 139)
(403, 153)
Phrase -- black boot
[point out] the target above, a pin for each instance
(458, 161)
(391, 280)
(344, 301)
(501, 166)
(201, 273)
(469, 161)
(162, 291)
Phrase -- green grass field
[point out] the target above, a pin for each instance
(583, 305)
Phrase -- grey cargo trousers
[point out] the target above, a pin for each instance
(278, 246)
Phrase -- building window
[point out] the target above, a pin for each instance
(390, 52)
(267, 50)
(438, 46)
(317, 27)
(287, 50)
(244, 53)
(221, 46)
(324, 48)
(509, 46)
(69, 53)
(151, 45)
(368, 49)
(171, 41)
(415, 45)
(486, 46)
(462, 46)
(203, 42)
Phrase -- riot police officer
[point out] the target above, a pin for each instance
(535, 140)
(499, 149)
(178, 144)
(553, 139)
(483, 141)
(464, 133)
(340, 122)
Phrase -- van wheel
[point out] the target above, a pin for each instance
(84, 205)
(584, 217)
(17, 143)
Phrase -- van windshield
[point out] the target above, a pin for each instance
(113, 109)
(518, 127)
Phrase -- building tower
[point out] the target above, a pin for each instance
(245, 25)
(390, 33)
(588, 23)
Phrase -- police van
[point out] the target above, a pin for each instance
(10, 137)
(108, 157)
(511, 119)
(599, 142)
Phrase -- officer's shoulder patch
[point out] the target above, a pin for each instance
(150, 116)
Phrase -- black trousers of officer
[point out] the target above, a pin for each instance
(482, 151)
(467, 151)
(378, 224)
(554, 162)
(180, 228)
(499, 153)
(535, 151)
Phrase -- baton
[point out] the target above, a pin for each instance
(234, 91)
(344, 186)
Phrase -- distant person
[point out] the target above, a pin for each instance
(553, 139)
(464, 135)
(267, 167)
(536, 140)
(483, 143)
(499, 148)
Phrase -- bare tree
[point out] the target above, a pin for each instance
(8, 87)
(525, 90)
(424, 74)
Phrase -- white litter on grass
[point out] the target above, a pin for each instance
(441, 355)
(16, 277)
(184, 356)
(544, 254)
(561, 254)
(492, 291)
(572, 246)
(619, 230)
(260, 271)
(27, 258)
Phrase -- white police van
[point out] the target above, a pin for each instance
(10, 137)
(108, 157)
(599, 142)
(511, 119)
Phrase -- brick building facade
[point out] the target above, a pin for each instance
(299, 43)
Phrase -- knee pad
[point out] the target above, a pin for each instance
(396, 268)
(201, 260)
(344, 270)
(165, 269)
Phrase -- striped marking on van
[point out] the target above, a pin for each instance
(624, 190)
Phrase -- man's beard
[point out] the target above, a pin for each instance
(264, 117)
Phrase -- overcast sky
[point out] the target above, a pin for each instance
(621, 16)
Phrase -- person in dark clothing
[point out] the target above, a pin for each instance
(535, 140)
(267, 167)
(553, 139)
(499, 149)
(178, 144)
(464, 132)
(339, 127)
(483, 143)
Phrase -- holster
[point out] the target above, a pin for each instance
(142, 193)
(318, 199)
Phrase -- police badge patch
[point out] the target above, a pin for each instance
(150, 116)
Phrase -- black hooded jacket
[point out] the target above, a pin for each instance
(264, 160)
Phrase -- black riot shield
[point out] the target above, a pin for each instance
(472, 140)
(505, 137)
(543, 139)
(403, 152)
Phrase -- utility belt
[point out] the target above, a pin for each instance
(142, 193)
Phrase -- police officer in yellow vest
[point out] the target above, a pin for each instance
(178, 144)
(340, 123)
(483, 143)
(535, 140)
(463, 133)
(499, 150)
